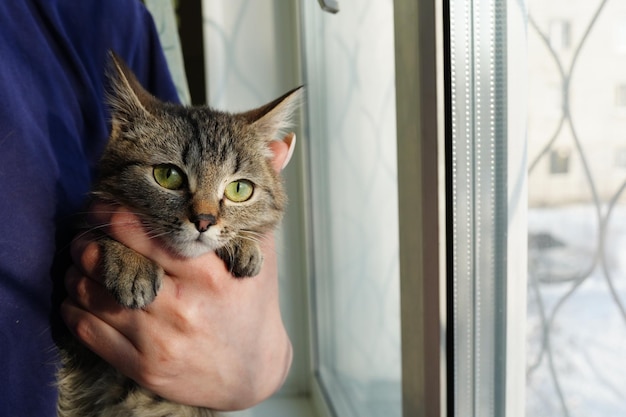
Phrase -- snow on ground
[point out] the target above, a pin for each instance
(577, 327)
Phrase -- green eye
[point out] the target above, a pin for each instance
(168, 176)
(239, 191)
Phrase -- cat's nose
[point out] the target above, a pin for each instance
(203, 222)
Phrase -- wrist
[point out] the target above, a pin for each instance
(266, 380)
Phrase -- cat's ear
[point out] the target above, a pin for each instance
(282, 151)
(274, 118)
(127, 97)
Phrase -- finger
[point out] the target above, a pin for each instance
(86, 252)
(100, 213)
(90, 294)
(115, 220)
(125, 227)
(121, 224)
(101, 338)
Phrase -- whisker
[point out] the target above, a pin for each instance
(228, 253)
(86, 231)
(250, 238)
(87, 212)
(159, 234)
(245, 233)
(258, 237)
(94, 231)
(252, 232)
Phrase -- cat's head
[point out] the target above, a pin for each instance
(197, 177)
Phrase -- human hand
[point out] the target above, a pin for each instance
(207, 339)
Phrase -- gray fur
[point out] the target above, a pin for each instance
(212, 148)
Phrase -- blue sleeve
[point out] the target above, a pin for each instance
(53, 126)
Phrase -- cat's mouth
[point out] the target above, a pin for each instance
(191, 243)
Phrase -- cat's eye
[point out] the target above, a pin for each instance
(239, 191)
(168, 176)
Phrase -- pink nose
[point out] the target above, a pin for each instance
(203, 222)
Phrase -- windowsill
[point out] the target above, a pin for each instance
(291, 406)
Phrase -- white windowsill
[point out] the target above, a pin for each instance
(296, 406)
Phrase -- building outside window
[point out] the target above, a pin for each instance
(559, 161)
(576, 279)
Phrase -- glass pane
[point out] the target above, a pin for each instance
(576, 329)
(351, 95)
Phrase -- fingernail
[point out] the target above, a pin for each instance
(290, 140)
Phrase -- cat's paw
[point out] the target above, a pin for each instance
(243, 258)
(133, 279)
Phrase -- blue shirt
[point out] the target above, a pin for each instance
(53, 125)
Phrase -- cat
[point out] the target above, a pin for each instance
(201, 180)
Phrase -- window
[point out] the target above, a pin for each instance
(620, 36)
(576, 321)
(559, 161)
(620, 96)
(560, 34)
(620, 157)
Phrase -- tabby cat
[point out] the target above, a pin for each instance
(201, 180)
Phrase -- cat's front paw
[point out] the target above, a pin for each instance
(133, 279)
(243, 258)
